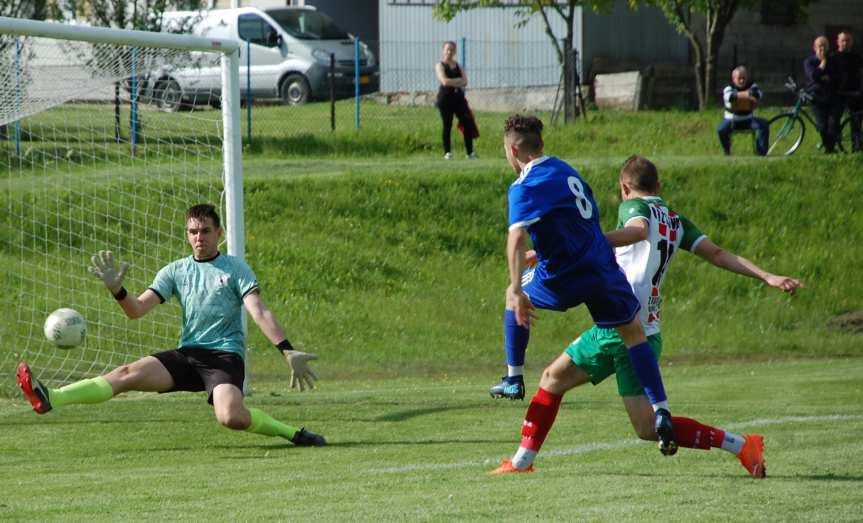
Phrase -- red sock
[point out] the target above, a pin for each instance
(539, 418)
(694, 435)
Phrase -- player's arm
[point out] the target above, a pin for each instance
(729, 261)
(301, 374)
(516, 299)
(635, 230)
(102, 266)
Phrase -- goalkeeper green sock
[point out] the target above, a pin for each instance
(93, 390)
(263, 423)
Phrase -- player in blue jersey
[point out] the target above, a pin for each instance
(551, 204)
(212, 289)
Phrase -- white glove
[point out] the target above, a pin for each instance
(301, 374)
(102, 266)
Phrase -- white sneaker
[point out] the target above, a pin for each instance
(472, 156)
(447, 156)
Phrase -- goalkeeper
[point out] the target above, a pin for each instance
(212, 289)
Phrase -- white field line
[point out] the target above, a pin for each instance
(593, 447)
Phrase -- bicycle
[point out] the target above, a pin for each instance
(787, 130)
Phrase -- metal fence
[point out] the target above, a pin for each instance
(401, 86)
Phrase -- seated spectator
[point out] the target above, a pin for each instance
(850, 64)
(740, 100)
(823, 77)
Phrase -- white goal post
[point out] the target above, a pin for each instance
(71, 182)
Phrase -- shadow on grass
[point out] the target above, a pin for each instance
(343, 445)
(413, 413)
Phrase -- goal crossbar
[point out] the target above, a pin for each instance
(103, 35)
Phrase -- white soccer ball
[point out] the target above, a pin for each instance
(65, 328)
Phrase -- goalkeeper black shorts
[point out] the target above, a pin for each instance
(196, 370)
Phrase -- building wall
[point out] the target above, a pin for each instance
(497, 54)
(774, 51)
(358, 17)
(625, 39)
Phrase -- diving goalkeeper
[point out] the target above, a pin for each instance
(212, 289)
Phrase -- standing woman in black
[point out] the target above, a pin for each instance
(451, 100)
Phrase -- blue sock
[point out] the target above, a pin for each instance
(644, 364)
(516, 339)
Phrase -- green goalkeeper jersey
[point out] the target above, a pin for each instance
(646, 262)
(211, 296)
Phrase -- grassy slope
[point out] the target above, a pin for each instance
(370, 267)
(388, 260)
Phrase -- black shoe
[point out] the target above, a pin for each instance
(665, 432)
(509, 387)
(304, 438)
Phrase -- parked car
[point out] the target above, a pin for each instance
(289, 50)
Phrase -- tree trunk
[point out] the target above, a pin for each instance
(698, 70)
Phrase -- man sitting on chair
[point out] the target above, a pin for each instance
(740, 100)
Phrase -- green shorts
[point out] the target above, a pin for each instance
(601, 353)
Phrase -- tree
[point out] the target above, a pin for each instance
(717, 15)
(144, 15)
(446, 10)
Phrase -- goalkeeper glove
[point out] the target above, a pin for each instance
(102, 266)
(301, 374)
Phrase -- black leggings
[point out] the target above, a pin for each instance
(828, 114)
(455, 105)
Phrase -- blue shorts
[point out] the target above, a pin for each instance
(607, 294)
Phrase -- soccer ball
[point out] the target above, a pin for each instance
(65, 328)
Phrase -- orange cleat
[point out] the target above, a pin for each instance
(33, 389)
(507, 468)
(751, 456)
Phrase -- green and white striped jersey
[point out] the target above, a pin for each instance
(646, 262)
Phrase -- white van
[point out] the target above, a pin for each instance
(290, 51)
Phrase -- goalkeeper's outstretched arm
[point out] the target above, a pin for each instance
(102, 266)
(301, 375)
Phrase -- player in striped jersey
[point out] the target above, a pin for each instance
(648, 237)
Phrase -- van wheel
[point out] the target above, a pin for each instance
(168, 95)
(295, 90)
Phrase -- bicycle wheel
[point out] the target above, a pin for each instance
(786, 134)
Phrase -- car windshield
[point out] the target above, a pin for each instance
(308, 25)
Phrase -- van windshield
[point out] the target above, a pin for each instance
(308, 25)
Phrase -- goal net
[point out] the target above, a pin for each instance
(90, 159)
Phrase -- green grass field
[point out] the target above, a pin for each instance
(419, 450)
(389, 263)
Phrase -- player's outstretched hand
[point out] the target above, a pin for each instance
(102, 266)
(301, 374)
(785, 283)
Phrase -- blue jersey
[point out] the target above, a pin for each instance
(211, 296)
(556, 206)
